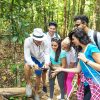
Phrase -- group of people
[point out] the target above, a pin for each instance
(77, 53)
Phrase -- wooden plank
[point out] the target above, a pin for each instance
(12, 91)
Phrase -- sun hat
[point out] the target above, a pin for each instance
(37, 34)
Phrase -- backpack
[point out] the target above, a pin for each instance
(96, 39)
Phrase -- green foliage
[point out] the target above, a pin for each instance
(16, 98)
(19, 17)
(13, 68)
(23, 83)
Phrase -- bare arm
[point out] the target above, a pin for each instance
(75, 70)
(47, 53)
(96, 64)
(27, 54)
(63, 62)
(96, 57)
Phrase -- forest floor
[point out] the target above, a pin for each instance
(7, 78)
(45, 96)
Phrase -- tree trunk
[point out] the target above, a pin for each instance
(82, 6)
(65, 19)
(68, 16)
(97, 11)
(45, 17)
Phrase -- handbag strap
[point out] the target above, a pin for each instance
(95, 37)
(92, 73)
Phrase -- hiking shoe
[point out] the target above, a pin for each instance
(44, 89)
(66, 97)
(59, 96)
(49, 99)
(36, 97)
(28, 90)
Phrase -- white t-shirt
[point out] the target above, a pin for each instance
(70, 56)
(49, 38)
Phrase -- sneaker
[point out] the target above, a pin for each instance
(36, 97)
(59, 96)
(44, 89)
(28, 90)
(66, 96)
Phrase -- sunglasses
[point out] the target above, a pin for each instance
(76, 25)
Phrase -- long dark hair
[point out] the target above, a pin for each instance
(81, 35)
(57, 54)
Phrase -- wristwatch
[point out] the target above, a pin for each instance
(87, 61)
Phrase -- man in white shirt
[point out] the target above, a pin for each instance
(52, 28)
(36, 55)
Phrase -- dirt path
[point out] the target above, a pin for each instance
(45, 96)
(56, 93)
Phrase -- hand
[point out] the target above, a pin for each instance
(82, 57)
(53, 75)
(46, 66)
(36, 67)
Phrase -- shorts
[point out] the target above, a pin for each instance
(39, 71)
